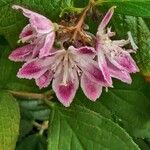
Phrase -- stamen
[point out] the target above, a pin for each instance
(134, 46)
(65, 70)
(74, 66)
(106, 89)
(56, 64)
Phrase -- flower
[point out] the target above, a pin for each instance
(39, 34)
(113, 59)
(72, 62)
(65, 67)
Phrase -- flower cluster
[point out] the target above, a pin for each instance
(66, 66)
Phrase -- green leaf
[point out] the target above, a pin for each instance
(126, 7)
(141, 33)
(140, 29)
(79, 128)
(127, 105)
(37, 109)
(9, 121)
(25, 127)
(131, 107)
(143, 54)
(143, 144)
(130, 7)
(32, 142)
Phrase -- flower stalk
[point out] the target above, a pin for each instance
(41, 127)
(77, 29)
(31, 96)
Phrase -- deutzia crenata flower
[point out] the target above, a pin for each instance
(65, 67)
(70, 62)
(113, 59)
(39, 34)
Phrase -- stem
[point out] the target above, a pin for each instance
(46, 97)
(44, 126)
(99, 2)
(41, 127)
(30, 96)
(37, 125)
(78, 27)
(27, 95)
(80, 23)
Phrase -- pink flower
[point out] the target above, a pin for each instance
(65, 67)
(39, 34)
(114, 60)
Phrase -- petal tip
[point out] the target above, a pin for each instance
(13, 58)
(16, 7)
(66, 104)
(93, 99)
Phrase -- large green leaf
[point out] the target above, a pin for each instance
(127, 105)
(141, 33)
(9, 121)
(130, 7)
(126, 7)
(143, 39)
(143, 144)
(79, 128)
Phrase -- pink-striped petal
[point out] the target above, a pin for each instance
(22, 54)
(44, 80)
(47, 45)
(91, 89)
(65, 93)
(119, 74)
(41, 23)
(26, 32)
(122, 60)
(127, 62)
(83, 51)
(91, 69)
(102, 63)
(106, 20)
(33, 69)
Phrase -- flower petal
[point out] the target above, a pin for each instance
(83, 51)
(33, 69)
(27, 32)
(41, 23)
(102, 63)
(44, 80)
(119, 74)
(22, 54)
(91, 69)
(120, 43)
(127, 62)
(65, 93)
(121, 59)
(47, 45)
(106, 20)
(91, 89)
